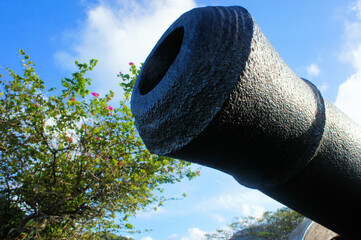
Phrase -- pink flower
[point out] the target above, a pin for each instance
(97, 138)
(131, 63)
(120, 163)
(181, 168)
(73, 99)
(70, 139)
(110, 108)
(120, 73)
(95, 94)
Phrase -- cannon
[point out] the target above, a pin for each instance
(214, 91)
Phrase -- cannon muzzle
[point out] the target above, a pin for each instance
(214, 91)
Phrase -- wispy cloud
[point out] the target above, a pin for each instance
(218, 218)
(349, 98)
(247, 202)
(313, 70)
(117, 32)
(253, 210)
(323, 87)
(356, 6)
(194, 234)
(173, 237)
(146, 238)
(150, 213)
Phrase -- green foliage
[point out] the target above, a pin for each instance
(273, 225)
(128, 80)
(71, 165)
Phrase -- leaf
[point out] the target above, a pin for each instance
(129, 226)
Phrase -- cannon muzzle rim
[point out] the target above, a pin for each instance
(199, 43)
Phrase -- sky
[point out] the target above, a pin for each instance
(319, 40)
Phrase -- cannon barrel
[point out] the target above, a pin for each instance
(213, 91)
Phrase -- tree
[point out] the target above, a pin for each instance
(272, 225)
(72, 165)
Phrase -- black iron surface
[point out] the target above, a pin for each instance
(215, 92)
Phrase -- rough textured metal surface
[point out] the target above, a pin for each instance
(214, 91)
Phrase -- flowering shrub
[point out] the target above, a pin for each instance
(67, 166)
(95, 94)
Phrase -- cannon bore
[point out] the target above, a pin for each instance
(214, 91)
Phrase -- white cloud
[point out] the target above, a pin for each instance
(349, 98)
(313, 70)
(236, 202)
(253, 210)
(356, 6)
(323, 87)
(194, 234)
(218, 218)
(173, 237)
(146, 238)
(119, 32)
(352, 41)
(150, 213)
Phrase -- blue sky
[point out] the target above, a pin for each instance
(319, 40)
